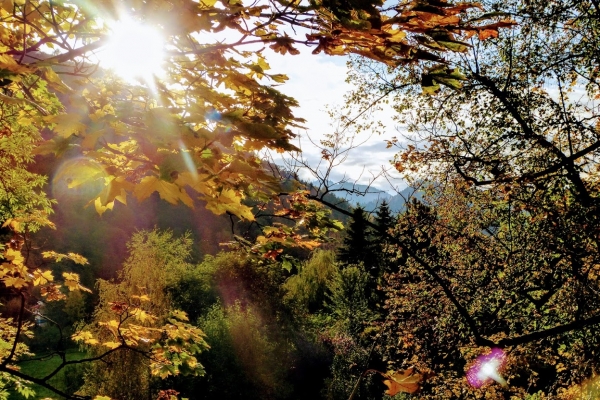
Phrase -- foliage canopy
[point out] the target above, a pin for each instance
(194, 135)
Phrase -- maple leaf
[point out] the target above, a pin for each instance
(141, 297)
(77, 258)
(230, 201)
(14, 256)
(168, 191)
(42, 277)
(180, 315)
(86, 337)
(406, 381)
(52, 292)
(66, 124)
(15, 282)
(142, 315)
(118, 307)
(72, 282)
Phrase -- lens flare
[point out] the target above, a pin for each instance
(486, 369)
(78, 177)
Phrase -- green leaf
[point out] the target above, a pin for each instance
(287, 265)
(25, 391)
(457, 46)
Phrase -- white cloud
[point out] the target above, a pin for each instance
(317, 82)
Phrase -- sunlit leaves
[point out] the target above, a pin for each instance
(168, 191)
(172, 346)
(85, 337)
(71, 281)
(65, 125)
(58, 257)
(387, 38)
(42, 277)
(179, 315)
(15, 274)
(225, 108)
(229, 201)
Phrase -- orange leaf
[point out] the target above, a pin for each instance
(488, 33)
(402, 381)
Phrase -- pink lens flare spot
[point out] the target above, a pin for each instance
(486, 369)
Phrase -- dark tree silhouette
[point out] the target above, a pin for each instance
(357, 246)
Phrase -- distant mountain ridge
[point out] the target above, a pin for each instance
(370, 197)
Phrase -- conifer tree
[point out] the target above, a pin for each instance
(357, 246)
(384, 221)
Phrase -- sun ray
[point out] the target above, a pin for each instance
(134, 51)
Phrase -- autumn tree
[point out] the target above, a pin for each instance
(194, 132)
(156, 261)
(503, 252)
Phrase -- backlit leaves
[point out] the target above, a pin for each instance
(85, 337)
(15, 274)
(172, 346)
(58, 257)
(71, 281)
(66, 125)
(42, 277)
(168, 191)
(226, 108)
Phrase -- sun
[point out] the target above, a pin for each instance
(134, 51)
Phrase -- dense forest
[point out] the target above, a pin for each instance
(152, 248)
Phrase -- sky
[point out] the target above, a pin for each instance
(318, 82)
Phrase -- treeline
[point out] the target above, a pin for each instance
(270, 333)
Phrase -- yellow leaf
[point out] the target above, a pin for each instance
(141, 315)
(116, 189)
(230, 201)
(113, 324)
(72, 282)
(14, 256)
(82, 336)
(209, 3)
(15, 282)
(168, 191)
(10, 64)
(396, 36)
(145, 188)
(111, 345)
(14, 224)
(66, 124)
(90, 139)
(42, 277)
(180, 315)
(54, 80)
(141, 298)
(100, 209)
(77, 258)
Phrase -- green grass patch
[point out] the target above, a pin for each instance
(68, 379)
